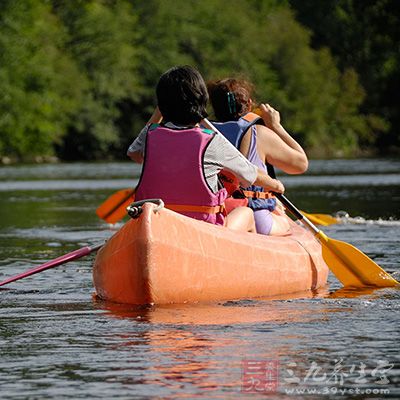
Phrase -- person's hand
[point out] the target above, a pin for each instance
(268, 183)
(270, 116)
(279, 187)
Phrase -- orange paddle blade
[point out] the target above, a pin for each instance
(114, 208)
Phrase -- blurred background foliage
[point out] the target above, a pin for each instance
(77, 77)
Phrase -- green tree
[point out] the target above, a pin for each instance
(263, 42)
(363, 35)
(101, 38)
(312, 91)
(37, 97)
(79, 75)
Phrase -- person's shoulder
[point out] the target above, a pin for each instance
(267, 138)
(264, 131)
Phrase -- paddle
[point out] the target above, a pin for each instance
(113, 208)
(350, 265)
(74, 255)
(321, 219)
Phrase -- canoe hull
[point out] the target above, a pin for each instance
(163, 257)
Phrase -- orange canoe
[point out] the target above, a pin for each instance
(163, 257)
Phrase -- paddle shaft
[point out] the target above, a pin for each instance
(74, 255)
(296, 212)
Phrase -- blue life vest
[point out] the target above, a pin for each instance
(234, 132)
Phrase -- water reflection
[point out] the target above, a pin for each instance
(202, 314)
(57, 343)
(350, 293)
(199, 349)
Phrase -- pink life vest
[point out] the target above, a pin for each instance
(173, 171)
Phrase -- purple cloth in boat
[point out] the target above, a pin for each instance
(263, 215)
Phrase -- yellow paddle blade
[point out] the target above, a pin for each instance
(321, 219)
(327, 219)
(351, 266)
(114, 208)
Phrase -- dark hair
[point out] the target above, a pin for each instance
(182, 95)
(229, 98)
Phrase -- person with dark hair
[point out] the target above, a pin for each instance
(182, 103)
(181, 160)
(263, 140)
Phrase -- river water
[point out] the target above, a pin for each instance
(57, 342)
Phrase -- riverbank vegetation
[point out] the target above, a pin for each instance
(77, 77)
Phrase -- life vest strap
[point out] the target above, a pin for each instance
(257, 195)
(193, 208)
(251, 116)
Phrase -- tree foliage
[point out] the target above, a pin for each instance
(363, 35)
(101, 40)
(77, 77)
(37, 97)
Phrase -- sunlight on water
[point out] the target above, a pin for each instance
(363, 221)
(347, 180)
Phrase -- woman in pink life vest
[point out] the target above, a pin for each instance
(181, 160)
(263, 140)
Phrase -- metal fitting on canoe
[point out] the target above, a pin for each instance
(135, 209)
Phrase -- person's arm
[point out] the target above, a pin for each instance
(281, 150)
(136, 156)
(231, 159)
(268, 183)
(135, 150)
